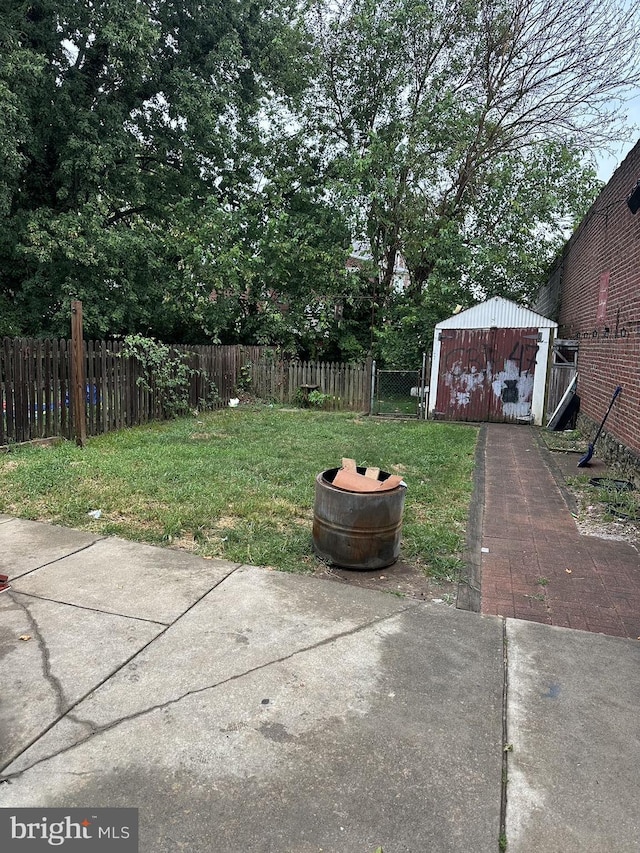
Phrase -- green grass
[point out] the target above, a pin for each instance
(396, 405)
(618, 503)
(239, 484)
(564, 440)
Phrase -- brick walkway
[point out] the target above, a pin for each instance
(538, 566)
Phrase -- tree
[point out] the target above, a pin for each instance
(197, 171)
(442, 122)
(129, 138)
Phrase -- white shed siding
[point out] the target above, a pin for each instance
(497, 313)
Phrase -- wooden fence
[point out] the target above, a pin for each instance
(36, 385)
(343, 386)
(37, 399)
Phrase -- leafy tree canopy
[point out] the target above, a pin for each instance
(459, 135)
(198, 171)
(133, 156)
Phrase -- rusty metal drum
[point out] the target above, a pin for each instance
(357, 530)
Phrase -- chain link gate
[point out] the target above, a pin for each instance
(400, 393)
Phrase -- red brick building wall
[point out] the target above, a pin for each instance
(600, 306)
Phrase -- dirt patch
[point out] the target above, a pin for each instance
(131, 521)
(398, 469)
(595, 517)
(591, 511)
(226, 522)
(184, 543)
(399, 579)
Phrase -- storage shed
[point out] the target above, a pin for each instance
(490, 363)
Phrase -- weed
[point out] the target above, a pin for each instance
(539, 596)
(244, 380)
(319, 400)
(312, 399)
(563, 441)
(620, 503)
(165, 374)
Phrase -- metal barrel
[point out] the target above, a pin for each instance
(355, 530)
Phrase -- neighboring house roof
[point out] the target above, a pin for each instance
(499, 313)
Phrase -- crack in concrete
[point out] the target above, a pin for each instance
(99, 610)
(88, 723)
(170, 702)
(62, 703)
(58, 559)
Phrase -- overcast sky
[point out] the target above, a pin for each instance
(607, 164)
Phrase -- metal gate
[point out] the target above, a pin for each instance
(486, 374)
(401, 393)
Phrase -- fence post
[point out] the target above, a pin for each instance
(372, 389)
(78, 382)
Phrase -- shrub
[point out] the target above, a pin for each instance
(165, 373)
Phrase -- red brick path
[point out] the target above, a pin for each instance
(538, 566)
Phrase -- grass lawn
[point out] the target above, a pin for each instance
(239, 483)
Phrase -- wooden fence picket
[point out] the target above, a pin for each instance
(36, 389)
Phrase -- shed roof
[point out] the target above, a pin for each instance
(499, 313)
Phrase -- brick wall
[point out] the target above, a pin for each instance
(600, 306)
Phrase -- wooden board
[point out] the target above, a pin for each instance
(562, 405)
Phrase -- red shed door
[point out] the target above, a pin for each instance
(486, 374)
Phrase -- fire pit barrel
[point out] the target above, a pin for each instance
(357, 530)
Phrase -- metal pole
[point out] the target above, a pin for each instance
(423, 385)
(78, 382)
(373, 386)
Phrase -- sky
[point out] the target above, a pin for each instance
(608, 163)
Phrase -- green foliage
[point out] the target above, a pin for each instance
(441, 147)
(522, 213)
(165, 373)
(319, 400)
(199, 172)
(243, 382)
(312, 399)
(144, 170)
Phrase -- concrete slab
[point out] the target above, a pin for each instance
(254, 618)
(129, 579)
(572, 717)
(389, 734)
(27, 545)
(52, 655)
